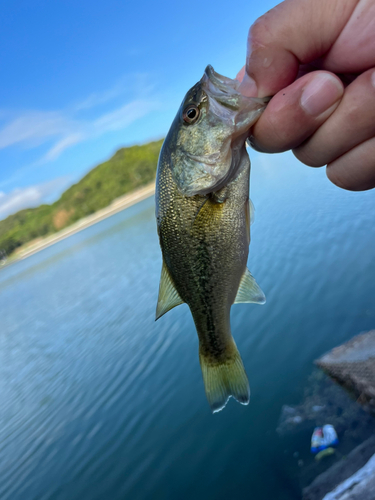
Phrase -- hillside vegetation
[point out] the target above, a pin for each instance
(129, 169)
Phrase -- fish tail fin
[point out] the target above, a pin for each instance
(224, 379)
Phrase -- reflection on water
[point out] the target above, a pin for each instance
(99, 401)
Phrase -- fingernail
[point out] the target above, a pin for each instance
(321, 93)
(248, 86)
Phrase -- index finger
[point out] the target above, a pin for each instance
(290, 34)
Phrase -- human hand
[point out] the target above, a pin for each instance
(317, 59)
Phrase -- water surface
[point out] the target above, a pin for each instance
(99, 401)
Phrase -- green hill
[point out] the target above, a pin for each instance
(129, 169)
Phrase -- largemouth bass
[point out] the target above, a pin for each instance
(203, 216)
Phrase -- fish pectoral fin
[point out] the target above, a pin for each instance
(168, 295)
(249, 217)
(252, 212)
(249, 290)
(199, 210)
(222, 195)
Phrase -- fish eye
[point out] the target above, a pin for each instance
(191, 114)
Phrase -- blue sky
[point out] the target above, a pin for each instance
(81, 79)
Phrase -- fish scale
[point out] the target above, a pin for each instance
(203, 223)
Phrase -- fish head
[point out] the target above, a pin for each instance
(213, 119)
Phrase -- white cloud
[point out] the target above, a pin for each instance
(62, 144)
(34, 127)
(124, 116)
(30, 196)
(67, 127)
(97, 98)
(117, 119)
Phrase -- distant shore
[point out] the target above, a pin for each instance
(117, 205)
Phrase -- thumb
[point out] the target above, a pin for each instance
(290, 34)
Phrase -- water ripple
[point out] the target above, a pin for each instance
(99, 401)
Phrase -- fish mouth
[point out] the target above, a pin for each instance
(225, 92)
(221, 82)
(222, 89)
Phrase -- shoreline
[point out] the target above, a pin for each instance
(117, 205)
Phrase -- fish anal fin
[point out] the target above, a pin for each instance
(223, 380)
(168, 295)
(249, 291)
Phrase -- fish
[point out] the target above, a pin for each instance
(203, 215)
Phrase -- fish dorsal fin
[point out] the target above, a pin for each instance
(249, 290)
(168, 295)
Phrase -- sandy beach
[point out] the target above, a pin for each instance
(117, 205)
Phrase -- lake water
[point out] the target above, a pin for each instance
(100, 402)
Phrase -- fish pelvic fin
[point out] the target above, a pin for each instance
(249, 291)
(224, 379)
(168, 295)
